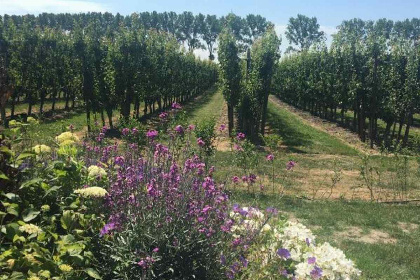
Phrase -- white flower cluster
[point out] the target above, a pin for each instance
(41, 149)
(96, 171)
(67, 138)
(299, 257)
(30, 229)
(91, 192)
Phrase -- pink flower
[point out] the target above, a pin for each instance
(156, 250)
(200, 142)
(125, 131)
(235, 179)
(191, 127)
(238, 147)
(135, 131)
(269, 157)
(176, 105)
(290, 165)
(179, 129)
(152, 134)
(163, 115)
(240, 136)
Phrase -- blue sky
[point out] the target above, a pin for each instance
(329, 13)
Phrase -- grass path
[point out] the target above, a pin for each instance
(302, 135)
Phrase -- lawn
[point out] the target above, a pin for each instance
(302, 138)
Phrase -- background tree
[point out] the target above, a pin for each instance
(303, 32)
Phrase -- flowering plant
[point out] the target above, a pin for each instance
(279, 249)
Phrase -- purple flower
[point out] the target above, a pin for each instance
(252, 178)
(316, 273)
(107, 229)
(223, 259)
(142, 263)
(156, 250)
(163, 116)
(179, 129)
(272, 211)
(200, 142)
(222, 127)
(125, 131)
(311, 260)
(283, 253)
(135, 131)
(235, 179)
(152, 134)
(269, 157)
(308, 241)
(290, 165)
(238, 147)
(176, 105)
(240, 136)
(243, 261)
(119, 160)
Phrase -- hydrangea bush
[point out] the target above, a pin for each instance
(280, 249)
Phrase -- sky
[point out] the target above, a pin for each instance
(329, 13)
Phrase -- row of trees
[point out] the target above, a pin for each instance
(372, 69)
(246, 83)
(194, 31)
(108, 70)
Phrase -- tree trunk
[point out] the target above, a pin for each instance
(230, 119)
(407, 129)
(264, 114)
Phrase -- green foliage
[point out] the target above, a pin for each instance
(205, 130)
(46, 230)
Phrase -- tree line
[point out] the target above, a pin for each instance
(371, 70)
(112, 61)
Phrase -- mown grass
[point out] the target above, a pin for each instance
(377, 260)
(302, 138)
(207, 106)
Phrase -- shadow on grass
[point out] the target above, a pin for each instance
(291, 135)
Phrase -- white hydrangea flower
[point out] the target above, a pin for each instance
(91, 192)
(96, 171)
(67, 136)
(41, 149)
(30, 229)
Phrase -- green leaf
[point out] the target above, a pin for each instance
(67, 220)
(93, 273)
(29, 214)
(3, 176)
(4, 149)
(53, 189)
(25, 155)
(29, 183)
(12, 196)
(13, 209)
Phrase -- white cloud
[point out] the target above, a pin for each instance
(19, 7)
